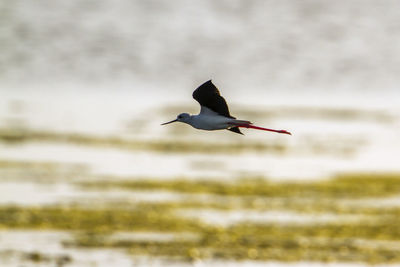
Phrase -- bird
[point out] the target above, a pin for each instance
(214, 113)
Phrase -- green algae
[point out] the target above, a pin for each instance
(283, 242)
(41, 172)
(271, 242)
(316, 242)
(344, 186)
(372, 237)
(38, 257)
(99, 220)
(340, 147)
(165, 146)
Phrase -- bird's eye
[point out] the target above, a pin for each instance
(179, 117)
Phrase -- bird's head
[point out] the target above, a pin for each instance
(183, 117)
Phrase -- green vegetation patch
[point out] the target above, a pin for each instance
(269, 242)
(37, 257)
(279, 249)
(374, 238)
(11, 170)
(339, 241)
(343, 147)
(344, 186)
(167, 146)
(141, 217)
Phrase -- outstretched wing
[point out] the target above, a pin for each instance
(208, 96)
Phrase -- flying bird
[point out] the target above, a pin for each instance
(214, 113)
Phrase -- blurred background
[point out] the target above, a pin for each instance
(88, 177)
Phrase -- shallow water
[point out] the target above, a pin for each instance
(90, 164)
(88, 177)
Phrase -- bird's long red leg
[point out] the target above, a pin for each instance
(261, 128)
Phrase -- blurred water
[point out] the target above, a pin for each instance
(325, 141)
(245, 45)
(325, 70)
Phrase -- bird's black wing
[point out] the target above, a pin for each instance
(208, 96)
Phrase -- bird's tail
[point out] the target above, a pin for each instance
(235, 128)
(237, 122)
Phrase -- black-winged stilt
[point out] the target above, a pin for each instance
(214, 113)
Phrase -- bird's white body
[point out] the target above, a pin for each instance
(205, 122)
(210, 120)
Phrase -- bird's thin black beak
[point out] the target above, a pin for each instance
(169, 122)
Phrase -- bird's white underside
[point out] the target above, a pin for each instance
(210, 120)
